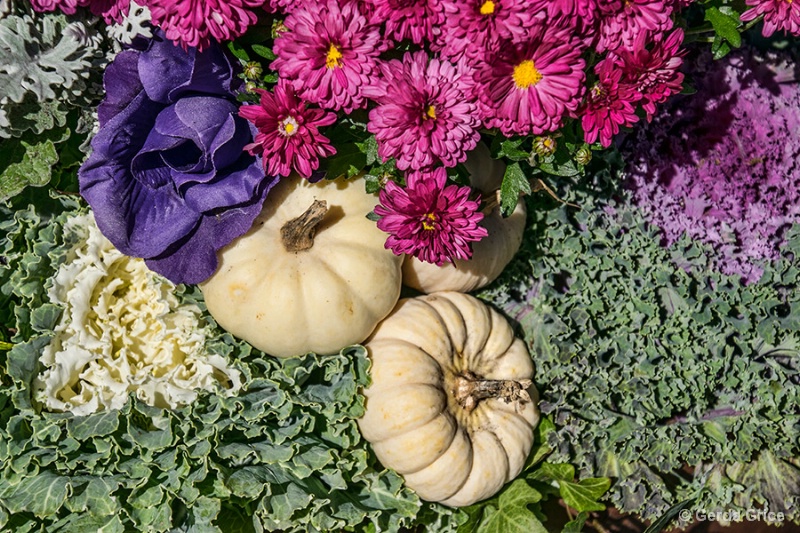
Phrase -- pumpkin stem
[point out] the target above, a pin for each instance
(470, 390)
(298, 233)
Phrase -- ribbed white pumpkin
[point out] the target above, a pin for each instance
(319, 299)
(491, 254)
(451, 406)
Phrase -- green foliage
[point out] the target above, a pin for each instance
(283, 453)
(50, 69)
(518, 506)
(648, 361)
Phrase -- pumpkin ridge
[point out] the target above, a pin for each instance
(468, 438)
(471, 359)
(440, 454)
(398, 388)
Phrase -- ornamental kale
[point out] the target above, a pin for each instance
(283, 453)
(168, 179)
(721, 165)
(646, 368)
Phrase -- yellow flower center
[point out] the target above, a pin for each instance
(487, 8)
(429, 222)
(334, 57)
(525, 74)
(429, 113)
(288, 126)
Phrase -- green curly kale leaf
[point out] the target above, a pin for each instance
(679, 383)
(284, 453)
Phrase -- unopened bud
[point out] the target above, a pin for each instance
(253, 70)
(583, 156)
(544, 146)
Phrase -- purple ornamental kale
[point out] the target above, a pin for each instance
(721, 165)
(168, 179)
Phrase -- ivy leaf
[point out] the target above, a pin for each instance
(583, 496)
(515, 182)
(576, 525)
(512, 514)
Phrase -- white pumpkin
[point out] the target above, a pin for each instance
(312, 275)
(491, 254)
(451, 406)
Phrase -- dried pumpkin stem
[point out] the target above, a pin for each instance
(298, 234)
(470, 390)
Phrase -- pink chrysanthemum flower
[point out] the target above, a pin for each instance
(577, 10)
(110, 10)
(329, 54)
(654, 73)
(779, 15)
(621, 21)
(609, 105)
(288, 133)
(426, 112)
(471, 25)
(194, 23)
(416, 20)
(429, 219)
(529, 87)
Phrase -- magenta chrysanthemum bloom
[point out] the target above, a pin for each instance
(416, 20)
(329, 54)
(583, 10)
(622, 21)
(194, 23)
(472, 25)
(426, 112)
(529, 87)
(288, 133)
(429, 219)
(654, 73)
(779, 15)
(110, 10)
(609, 105)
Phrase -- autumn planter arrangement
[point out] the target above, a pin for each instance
(325, 265)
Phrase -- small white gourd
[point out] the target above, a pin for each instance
(451, 406)
(491, 254)
(312, 275)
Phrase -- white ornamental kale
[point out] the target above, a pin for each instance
(122, 330)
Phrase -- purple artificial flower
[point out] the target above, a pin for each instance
(426, 113)
(288, 133)
(720, 166)
(168, 178)
(329, 53)
(429, 219)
